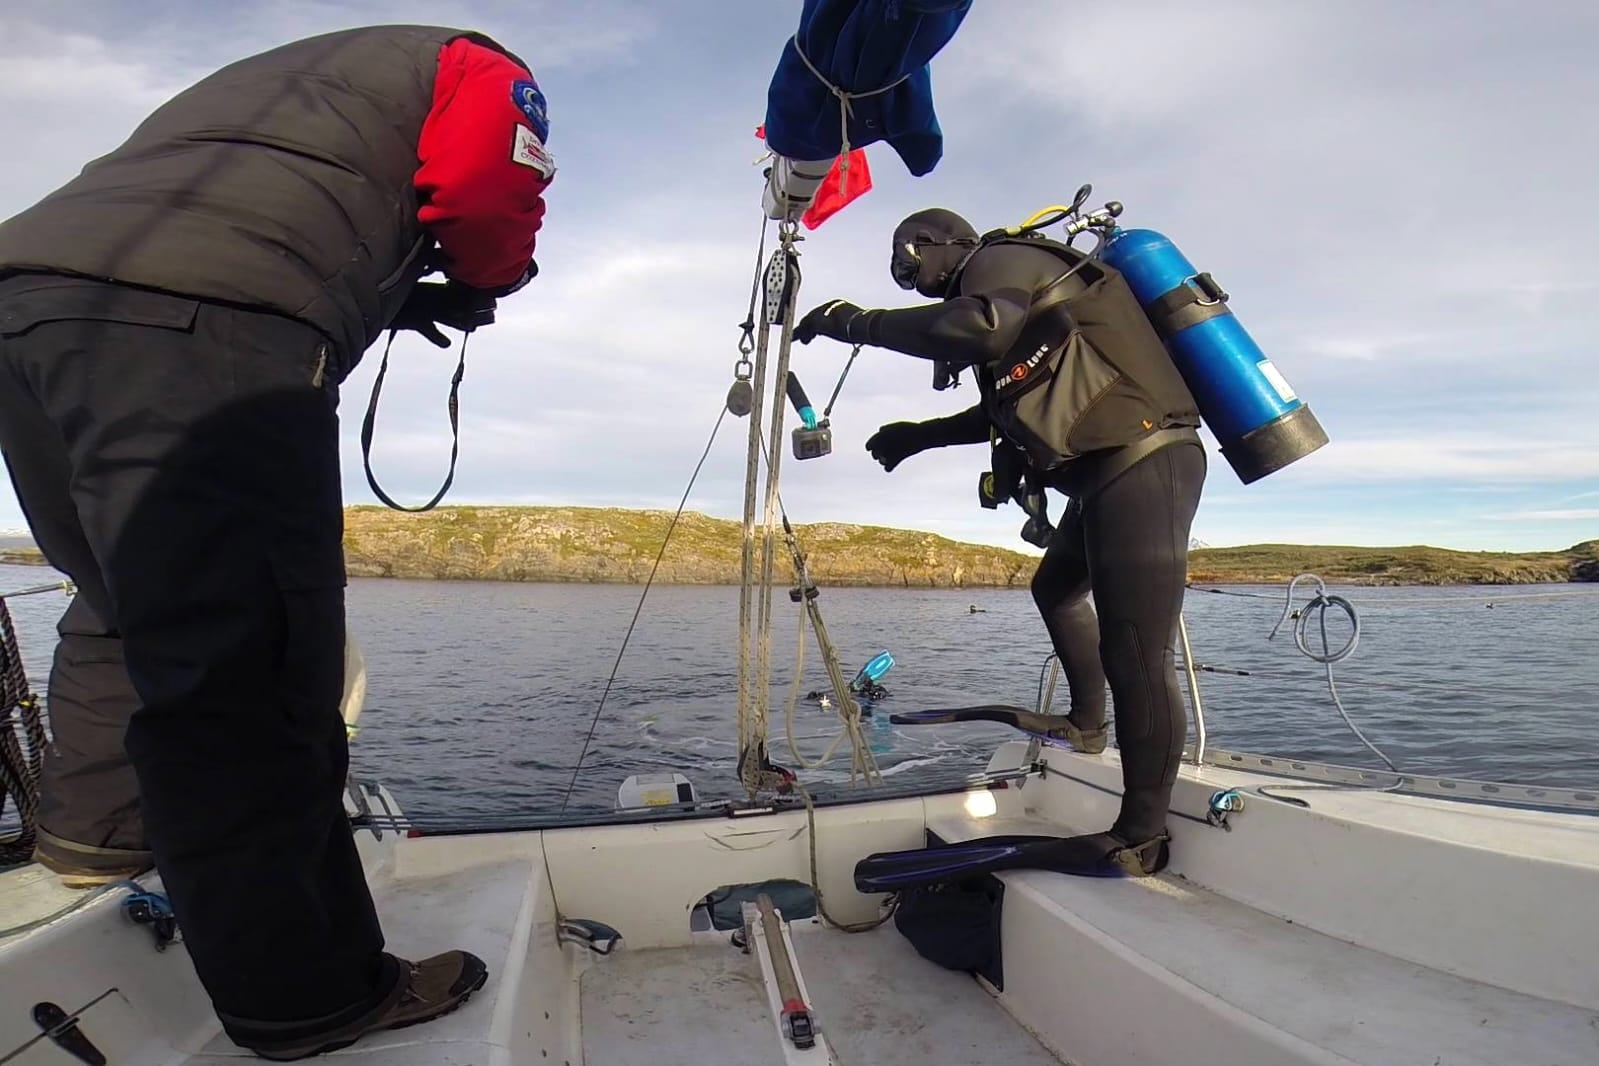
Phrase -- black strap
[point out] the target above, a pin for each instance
(1195, 300)
(1125, 458)
(455, 428)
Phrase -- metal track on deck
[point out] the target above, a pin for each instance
(1536, 797)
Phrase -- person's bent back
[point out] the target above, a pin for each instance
(312, 180)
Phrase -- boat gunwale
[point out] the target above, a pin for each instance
(1467, 791)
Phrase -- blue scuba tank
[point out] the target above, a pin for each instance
(1247, 403)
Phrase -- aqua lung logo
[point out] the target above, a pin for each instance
(1020, 372)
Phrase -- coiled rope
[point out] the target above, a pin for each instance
(1327, 657)
(863, 763)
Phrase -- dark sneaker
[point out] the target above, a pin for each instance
(431, 989)
(71, 875)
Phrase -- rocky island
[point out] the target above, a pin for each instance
(612, 545)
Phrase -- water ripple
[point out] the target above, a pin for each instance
(479, 695)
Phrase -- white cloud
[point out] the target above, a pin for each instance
(1574, 514)
(61, 70)
(1398, 206)
(1443, 458)
(1366, 347)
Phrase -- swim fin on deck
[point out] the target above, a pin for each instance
(1053, 726)
(1091, 855)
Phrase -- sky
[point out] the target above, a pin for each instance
(1399, 204)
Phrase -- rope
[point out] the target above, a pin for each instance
(816, 884)
(1327, 657)
(862, 763)
(846, 110)
(1224, 670)
(793, 702)
(788, 301)
(34, 590)
(752, 460)
(1458, 601)
(588, 739)
(22, 742)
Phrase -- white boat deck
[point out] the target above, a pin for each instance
(875, 1000)
(1203, 961)
(677, 1007)
(475, 909)
(883, 1003)
(1406, 948)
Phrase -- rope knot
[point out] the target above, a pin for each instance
(846, 110)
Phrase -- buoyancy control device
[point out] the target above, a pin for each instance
(1260, 422)
(1011, 478)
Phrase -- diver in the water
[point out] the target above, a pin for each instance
(1076, 389)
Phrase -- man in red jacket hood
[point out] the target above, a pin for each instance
(174, 326)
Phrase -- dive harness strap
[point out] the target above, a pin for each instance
(370, 420)
(1117, 463)
(1196, 300)
(996, 486)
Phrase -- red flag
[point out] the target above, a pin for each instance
(839, 188)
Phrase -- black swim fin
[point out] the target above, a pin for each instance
(1091, 855)
(1052, 726)
(1017, 717)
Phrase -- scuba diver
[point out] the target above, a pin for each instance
(175, 323)
(1078, 394)
(866, 686)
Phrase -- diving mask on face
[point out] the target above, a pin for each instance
(905, 265)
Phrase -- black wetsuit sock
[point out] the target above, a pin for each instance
(1060, 589)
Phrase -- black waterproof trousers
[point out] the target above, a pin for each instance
(1128, 545)
(179, 461)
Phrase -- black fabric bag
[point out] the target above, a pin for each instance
(956, 924)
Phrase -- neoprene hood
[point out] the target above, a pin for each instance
(928, 247)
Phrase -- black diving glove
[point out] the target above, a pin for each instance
(898, 441)
(432, 303)
(833, 319)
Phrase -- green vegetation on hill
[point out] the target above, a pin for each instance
(1414, 565)
(612, 545)
(577, 544)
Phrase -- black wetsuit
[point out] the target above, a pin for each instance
(1128, 545)
(1125, 539)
